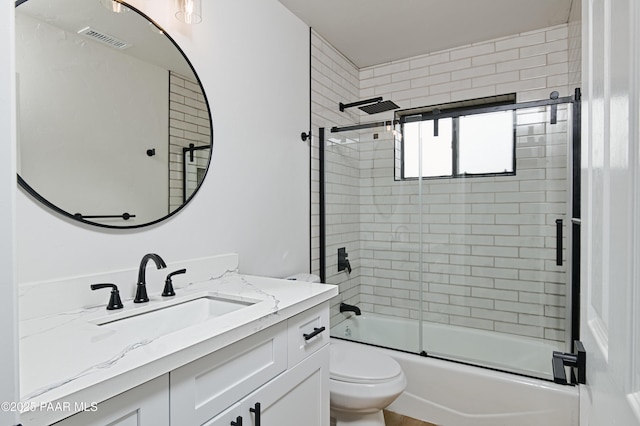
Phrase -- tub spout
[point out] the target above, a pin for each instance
(350, 308)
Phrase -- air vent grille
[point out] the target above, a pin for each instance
(104, 38)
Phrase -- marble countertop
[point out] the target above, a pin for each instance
(65, 358)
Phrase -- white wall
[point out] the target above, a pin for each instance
(252, 58)
(8, 301)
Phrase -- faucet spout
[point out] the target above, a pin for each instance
(141, 288)
(349, 308)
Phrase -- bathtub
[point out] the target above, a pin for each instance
(455, 394)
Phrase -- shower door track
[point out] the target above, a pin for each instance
(425, 354)
(458, 112)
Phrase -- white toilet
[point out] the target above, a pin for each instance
(362, 383)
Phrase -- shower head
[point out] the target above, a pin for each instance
(379, 107)
(371, 106)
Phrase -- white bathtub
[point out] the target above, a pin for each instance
(454, 394)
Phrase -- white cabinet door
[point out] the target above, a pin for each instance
(207, 386)
(145, 405)
(300, 396)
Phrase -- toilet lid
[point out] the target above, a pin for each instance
(350, 363)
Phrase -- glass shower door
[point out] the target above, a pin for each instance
(457, 232)
(495, 253)
(373, 218)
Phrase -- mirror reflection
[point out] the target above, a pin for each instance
(113, 125)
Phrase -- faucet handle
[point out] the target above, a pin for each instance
(114, 301)
(168, 284)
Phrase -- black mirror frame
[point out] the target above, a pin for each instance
(33, 193)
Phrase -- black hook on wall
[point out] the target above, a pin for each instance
(151, 152)
(304, 136)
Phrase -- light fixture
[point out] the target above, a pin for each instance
(189, 11)
(114, 6)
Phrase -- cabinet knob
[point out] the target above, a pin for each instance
(238, 421)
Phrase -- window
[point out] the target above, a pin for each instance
(459, 141)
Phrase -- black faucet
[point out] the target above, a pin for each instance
(168, 283)
(114, 301)
(350, 308)
(141, 288)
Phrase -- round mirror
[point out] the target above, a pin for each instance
(114, 128)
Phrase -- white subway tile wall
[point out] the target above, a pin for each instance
(335, 79)
(575, 45)
(188, 123)
(488, 244)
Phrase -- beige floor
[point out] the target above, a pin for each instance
(394, 419)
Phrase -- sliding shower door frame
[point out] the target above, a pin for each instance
(572, 329)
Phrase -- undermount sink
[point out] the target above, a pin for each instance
(163, 319)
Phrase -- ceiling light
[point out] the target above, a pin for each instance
(189, 11)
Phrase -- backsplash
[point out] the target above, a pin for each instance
(42, 298)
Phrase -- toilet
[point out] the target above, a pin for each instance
(362, 383)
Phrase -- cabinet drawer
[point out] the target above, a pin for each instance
(305, 336)
(207, 386)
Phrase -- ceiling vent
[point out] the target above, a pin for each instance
(104, 38)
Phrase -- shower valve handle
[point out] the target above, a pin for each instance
(343, 262)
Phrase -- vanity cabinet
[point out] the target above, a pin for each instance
(144, 405)
(277, 376)
(279, 369)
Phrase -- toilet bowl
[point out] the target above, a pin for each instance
(362, 383)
